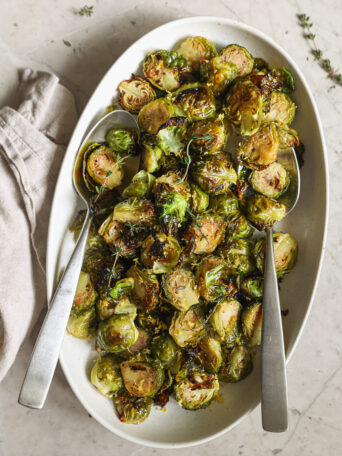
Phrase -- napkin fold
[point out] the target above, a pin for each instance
(32, 145)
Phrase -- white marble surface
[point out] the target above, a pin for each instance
(32, 34)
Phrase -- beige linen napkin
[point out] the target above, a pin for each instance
(32, 145)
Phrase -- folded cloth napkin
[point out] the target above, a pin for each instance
(32, 145)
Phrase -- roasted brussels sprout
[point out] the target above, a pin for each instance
(165, 69)
(122, 288)
(208, 136)
(287, 137)
(141, 185)
(106, 376)
(206, 232)
(187, 327)
(237, 364)
(135, 93)
(259, 150)
(107, 306)
(285, 253)
(224, 204)
(214, 279)
(195, 49)
(134, 210)
(278, 79)
(166, 351)
(122, 237)
(244, 107)
(214, 174)
(240, 57)
(171, 136)
(238, 253)
(219, 74)
(197, 390)
(272, 181)
(252, 286)
(263, 212)
(85, 295)
(123, 141)
(146, 288)
(160, 252)
(180, 289)
(199, 199)
(155, 113)
(83, 324)
(238, 226)
(251, 320)
(101, 167)
(195, 101)
(152, 156)
(226, 321)
(210, 354)
(278, 107)
(131, 409)
(142, 378)
(117, 333)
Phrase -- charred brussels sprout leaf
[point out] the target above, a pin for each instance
(278, 107)
(285, 253)
(197, 390)
(146, 288)
(122, 141)
(206, 232)
(238, 226)
(187, 327)
(272, 181)
(199, 199)
(131, 409)
(263, 212)
(135, 93)
(165, 69)
(141, 185)
(238, 56)
(117, 333)
(106, 376)
(251, 320)
(278, 79)
(166, 351)
(152, 156)
(134, 210)
(224, 204)
(238, 254)
(195, 49)
(226, 321)
(155, 113)
(142, 378)
(160, 252)
(237, 365)
(195, 101)
(171, 136)
(214, 174)
(85, 296)
(210, 354)
(83, 324)
(101, 167)
(180, 289)
(252, 287)
(208, 136)
(287, 137)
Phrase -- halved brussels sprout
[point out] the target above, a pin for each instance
(285, 253)
(131, 409)
(238, 253)
(206, 232)
(180, 289)
(208, 136)
(244, 107)
(134, 210)
(152, 155)
(197, 390)
(171, 136)
(135, 93)
(123, 141)
(251, 320)
(220, 74)
(83, 324)
(142, 378)
(122, 288)
(278, 107)
(214, 174)
(224, 204)
(252, 286)
(101, 167)
(226, 321)
(210, 354)
(107, 306)
(160, 252)
(214, 279)
(263, 212)
(85, 295)
(165, 69)
(238, 55)
(187, 327)
(238, 226)
(195, 101)
(278, 79)
(237, 364)
(272, 181)
(195, 49)
(106, 376)
(259, 150)
(199, 199)
(146, 288)
(139, 346)
(141, 185)
(117, 333)
(287, 137)
(166, 351)
(155, 113)
(123, 237)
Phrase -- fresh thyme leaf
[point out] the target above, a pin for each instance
(67, 43)
(85, 11)
(109, 173)
(197, 138)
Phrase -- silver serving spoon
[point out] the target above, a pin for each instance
(47, 347)
(273, 373)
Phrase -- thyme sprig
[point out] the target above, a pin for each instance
(333, 73)
(85, 11)
(102, 188)
(188, 158)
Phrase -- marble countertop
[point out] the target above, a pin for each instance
(31, 35)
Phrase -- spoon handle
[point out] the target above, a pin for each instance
(273, 373)
(46, 350)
